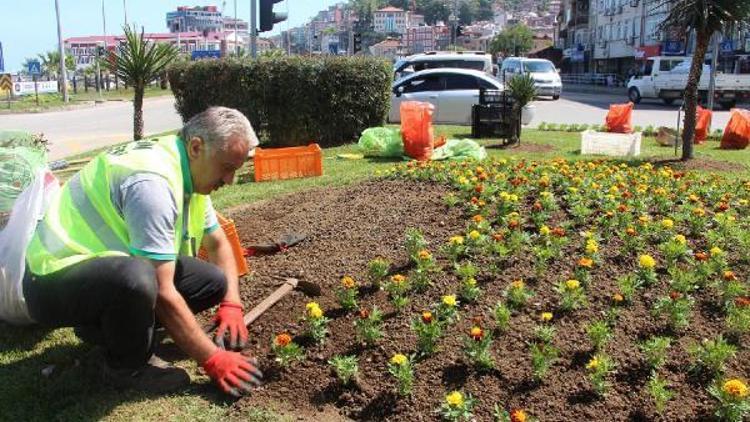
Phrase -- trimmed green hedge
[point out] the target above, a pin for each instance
(290, 100)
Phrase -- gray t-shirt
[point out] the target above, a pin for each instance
(151, 219)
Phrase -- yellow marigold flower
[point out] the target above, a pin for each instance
(735, 388)
(716, 251)
(693, 197)
(613, 190)
(700, 212)
(644, 219)
(544, 231)
(449, 300)
(592, 247)
(595, 186)
(476, 333)
(667, 223)
(646, 261)
(517, 284)
(313, 310)
(572, 284)
(455, 399)
(462, 180)
(457, 240)
(593, 364)
(513, 198)
(348, 282)
(546, 316)
(680, 239)
(518, 415)
(743, 202)
(474, 235)
(572, 189)
(504, 195)
(424, 254)
(399, 359)
(471, 282)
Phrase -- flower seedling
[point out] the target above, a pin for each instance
(646, 270)
(599, 367)
(599, 334)
(447, 310)
(457, 407)
(518, 294)
(347, 293)
(572, 296)
(367, 326)
(674, 249)
(738, 317)
(400, 367)
(397, 288)
(428, 330)
(733, 403)
(477, 348)
(286, 350)
(628, 285)
(414, 243)
(421, 276)
(502, 317)
(377, 270)
(710, 355)
(515, 415)
(543, 356)
(316, 322)
(660, 394)
(655, 351)
(583, 270)
(455, 248)
(729, 288)
(345, 368)
(677, 307)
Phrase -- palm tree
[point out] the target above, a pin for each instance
(705, 17)
(139, 62)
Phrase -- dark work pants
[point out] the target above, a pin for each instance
(115, 298)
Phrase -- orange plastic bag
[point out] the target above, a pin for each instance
(619, 118)
(703, 123)
(737, 132)
(416, 129)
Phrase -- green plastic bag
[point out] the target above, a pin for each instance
(460, 149)
(381, 142)
(21, 156)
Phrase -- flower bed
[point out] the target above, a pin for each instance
(550, 290)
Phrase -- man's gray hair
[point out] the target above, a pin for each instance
(216, 125)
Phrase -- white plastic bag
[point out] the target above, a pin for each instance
(15, 236)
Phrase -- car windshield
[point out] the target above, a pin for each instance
(538, 67)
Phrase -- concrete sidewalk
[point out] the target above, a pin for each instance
(596, 89)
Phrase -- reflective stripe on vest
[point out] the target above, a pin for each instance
(83, 223)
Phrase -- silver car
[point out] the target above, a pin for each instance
(546, 78)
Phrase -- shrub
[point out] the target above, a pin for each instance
(290, 100)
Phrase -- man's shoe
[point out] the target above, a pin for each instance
(157, 376)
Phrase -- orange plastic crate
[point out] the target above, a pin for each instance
(230, 230)
(288, 163)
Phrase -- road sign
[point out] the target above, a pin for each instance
(6, 83)
(34, 67)
(205, 54)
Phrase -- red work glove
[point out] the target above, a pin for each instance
(233, 372)
(230, 317)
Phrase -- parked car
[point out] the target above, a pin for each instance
(665, 77)
(477, 60)
(452, 91)
(546, 78)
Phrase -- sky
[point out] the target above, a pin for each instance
(29, 27)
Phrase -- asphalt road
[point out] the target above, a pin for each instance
(75, 131)
(82, 129)
(591, 108)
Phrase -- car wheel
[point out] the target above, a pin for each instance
(729, 105)
(668, 101)
(556, 97)
(634, 95)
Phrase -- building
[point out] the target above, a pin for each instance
(390, 49)
(392, 20)
(419, 39)
(241, 26)
(195, 19)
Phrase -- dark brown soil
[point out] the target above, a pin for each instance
(702, 164)
(525, 147)
(348, 227)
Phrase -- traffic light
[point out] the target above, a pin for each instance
(100, 51)
(357, 45)
(459, 31)
(267, 16)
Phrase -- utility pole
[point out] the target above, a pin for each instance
(125, 9)
(236, 37)
(253, 30)
(61, 50)
(104, 30)
(714, 62)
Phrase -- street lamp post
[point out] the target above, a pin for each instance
(61, 50)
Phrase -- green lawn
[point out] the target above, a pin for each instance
(72, 393)
(27, 103)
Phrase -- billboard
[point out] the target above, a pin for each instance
(27, 88)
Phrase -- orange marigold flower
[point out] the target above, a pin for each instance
(517, 284)
(729, 276)
(617, 298)
(723, 206)
(498, 236)
(735, 388)
(474, 200)
(476, 333)
(427, 317)
(558, 231)
(424, 254)
(364, 313)
(518, 415)
(282, 340)
(622, 208)
(537, 206)
(630, 231)
(586, 262)
(477, 218)
(398, 278)
(675, 295)
(478, 188)
(701, 256)
(348, 282)
(742, 302)
(513, 224)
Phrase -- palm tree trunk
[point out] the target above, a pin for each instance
(138, 111)
(691, 94)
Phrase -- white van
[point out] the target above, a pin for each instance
(546, 78)
(474, 60)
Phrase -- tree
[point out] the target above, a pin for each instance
(467, 12)
(485, 10)
(705, 17)
(138, 62)
(515, 40)
(50, 65)
(433, 10)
